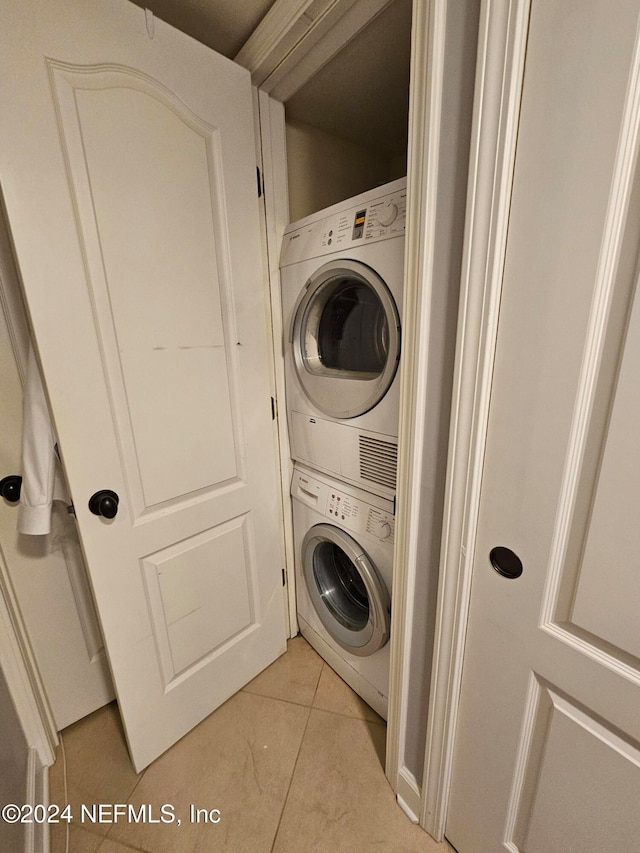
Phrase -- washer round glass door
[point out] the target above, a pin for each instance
(346, 590)
(346, 338)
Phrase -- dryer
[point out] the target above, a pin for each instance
(344, 570)
(341, 276)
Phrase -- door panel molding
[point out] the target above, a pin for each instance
(534, 726)
(552, 718)
(128, 366)
(615, 289)
(192, 630)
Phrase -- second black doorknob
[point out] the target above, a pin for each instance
(104, 503)
(10, 488)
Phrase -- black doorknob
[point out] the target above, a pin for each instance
(10, 488)
(506, 562)
(104, 503)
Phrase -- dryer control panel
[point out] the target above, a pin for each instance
(382, 218)
(368, 218)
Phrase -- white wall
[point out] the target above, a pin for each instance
(323, 169)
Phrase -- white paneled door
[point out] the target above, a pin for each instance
(547, 754)
(129, 177)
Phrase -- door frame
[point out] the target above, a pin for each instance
(270, 130)
(23, 681)
(428, 47)
(18, 670)
(499, 80)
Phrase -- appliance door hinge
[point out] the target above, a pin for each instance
(284, 577)
(273, 409)
(259, 177)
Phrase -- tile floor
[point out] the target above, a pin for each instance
(293, 763)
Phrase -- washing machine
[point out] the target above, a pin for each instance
(344, 569)
(341, 276)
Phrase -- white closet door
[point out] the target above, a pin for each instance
(129, 176)
(548, 746)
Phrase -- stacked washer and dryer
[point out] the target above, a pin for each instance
(341, 275)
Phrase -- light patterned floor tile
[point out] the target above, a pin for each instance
(109, 846)
(99, 769)
(333, 694)
(239, 761)
(79, 840)
(340, 799)
(293, 677)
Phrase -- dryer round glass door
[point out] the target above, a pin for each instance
(346, 590)
(346, 338)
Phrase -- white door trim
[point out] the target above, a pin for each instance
(500, 72)
(18, 666)
(425, 103)
(270, 130)
(295, 39)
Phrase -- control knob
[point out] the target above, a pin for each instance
(384, 530)
(387, 214)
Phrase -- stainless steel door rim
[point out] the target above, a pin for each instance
(346, 338)
(346, 590)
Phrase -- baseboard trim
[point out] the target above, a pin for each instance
(36, 838)
(409, 796)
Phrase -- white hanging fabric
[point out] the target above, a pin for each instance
(42, 480)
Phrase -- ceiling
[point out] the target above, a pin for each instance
(360, 95)
(223, 25)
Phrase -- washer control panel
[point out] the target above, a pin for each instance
(357, 515)
(345, 508)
